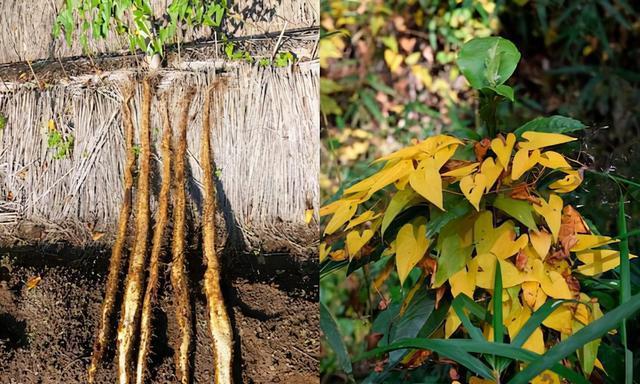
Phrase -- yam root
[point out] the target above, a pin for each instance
(178, 268)
(156, 249)
(104, 328)
(135, 275)
(220, 327)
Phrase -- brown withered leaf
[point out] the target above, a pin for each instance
(417, 359)
(481, 148)
(373, 339)
(407, 44)
(572, 223)
(522, 192)
(573, 283)
(453, 374)
(568, 242)
(454, 164)
(521, 260)
(428, 265)
(33, 282)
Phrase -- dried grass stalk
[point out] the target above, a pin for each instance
(135, 276)
(219, 324)
(102, 335)
(156, 248)
(178, 267)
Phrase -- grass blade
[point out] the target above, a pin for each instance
(443, 347)
(458, 304)
(625, 286)
(535, 320)
(457, 348)
(498, 330)
(591, 332)
(334, 338)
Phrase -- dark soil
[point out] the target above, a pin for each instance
(46, 331)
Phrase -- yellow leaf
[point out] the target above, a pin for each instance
(324, 251)
(427, 147)
(355, 241)
(341, 216)
(411, 245)
(364, 217)
(464, 281)
(552, 282)
(553, 160)
(571, 181)
(515, 322)
(530, 292)
(473, 188)
(443, 155)
(427, 182)
(478, 380)
(308, 215)
(52, 125)
(541, 242)
(547, 377)
(451, 324)
(560, 320)
(462, 171)
(338, 204)
(597, 261)
(422, 74)
(393, 60)
(391, 172)
(491, 172)
(338, 255)
(551, 211)
(591, 241)
(413, 58)
(523, 161)
(485, 277)
(537, 140)
(503, 149)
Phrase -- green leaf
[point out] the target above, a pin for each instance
(552, 124)
(334, 338)
(399, 201)
(453, 255)
(488, 61)
(565, 348)
(518, 209)
(412, 320)
(456, 206)
(503, 90)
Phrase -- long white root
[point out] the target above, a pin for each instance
(102, 335)
(156, 249)
(135, 275)
(219, 324)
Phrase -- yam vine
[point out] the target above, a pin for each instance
(482, 228)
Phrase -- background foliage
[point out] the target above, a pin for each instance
(388, 76)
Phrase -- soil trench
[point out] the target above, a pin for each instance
(50, 301)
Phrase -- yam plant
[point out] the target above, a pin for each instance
(481, 238)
